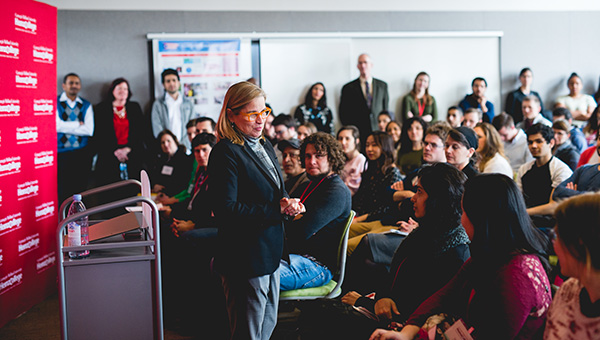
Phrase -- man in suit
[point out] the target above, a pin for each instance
(362, 99)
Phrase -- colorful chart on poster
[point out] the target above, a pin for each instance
(206, 67)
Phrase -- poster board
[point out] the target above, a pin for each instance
(206, 67)
(28, 188)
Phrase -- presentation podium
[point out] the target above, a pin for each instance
(115, 293)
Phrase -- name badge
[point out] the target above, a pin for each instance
(167, 170)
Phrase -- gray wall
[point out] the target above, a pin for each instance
(103, 45)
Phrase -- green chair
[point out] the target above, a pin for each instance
(332, 289)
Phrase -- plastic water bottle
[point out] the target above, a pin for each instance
(77, 231)
(123, 171)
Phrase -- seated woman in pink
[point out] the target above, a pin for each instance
(349, 137)
(575, 311)
(502, 291)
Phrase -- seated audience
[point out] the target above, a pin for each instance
(515, 141)
(383, 119)
(590, 155)
(478, 100)
(306, 129)
(455, 116)
(377, 247)
(269, 130)
(205, 124)
(532, 113)
(584, 179)
(354, 166)
(292, 165)
(191, 131)
(574, 313)
(502, 291)
(371, 201)
(169, 175)
(580, 104)
(313, 237)
(394, 129)
(471, 117)
(577, 136)
(189, 243)
(514, 99)
(410, 154)
(538, 178)
(315, 110)
(491, 151)
(429, 256)
(563, 149)
(418, 102)
(460, 146)
(285, 127)
(590, 130)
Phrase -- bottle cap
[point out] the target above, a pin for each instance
(77, 197)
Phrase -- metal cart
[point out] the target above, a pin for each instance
(115, 293)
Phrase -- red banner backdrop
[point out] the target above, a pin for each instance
(28, 193)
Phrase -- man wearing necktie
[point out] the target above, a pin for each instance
(363, 98)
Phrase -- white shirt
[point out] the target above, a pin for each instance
(498, 164)
(174, 112)
(559, 172)
(538, 119)
(517, 151)
(73, 127)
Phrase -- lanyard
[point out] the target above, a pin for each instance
(302, 197)
(201, 180)
(421, 105)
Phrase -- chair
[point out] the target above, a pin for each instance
(332, 289)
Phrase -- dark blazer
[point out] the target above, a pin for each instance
(104, 142)
(354, 109)
(245, 202)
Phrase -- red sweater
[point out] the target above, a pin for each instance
(511, 306)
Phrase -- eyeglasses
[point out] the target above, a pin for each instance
(251, 116)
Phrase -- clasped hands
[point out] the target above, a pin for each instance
(291, 206)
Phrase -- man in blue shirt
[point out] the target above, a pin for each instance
(478, 100)
(74, 126)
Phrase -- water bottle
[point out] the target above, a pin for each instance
(123, 171)
(77, 231)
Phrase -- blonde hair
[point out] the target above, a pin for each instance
(237, 96)
(493, 144)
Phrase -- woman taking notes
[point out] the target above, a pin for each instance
(249, 204)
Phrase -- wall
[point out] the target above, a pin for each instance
(103, 45)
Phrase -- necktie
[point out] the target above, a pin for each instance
(369, 96)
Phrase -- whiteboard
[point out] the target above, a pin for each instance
(291, 62)
(290, 66)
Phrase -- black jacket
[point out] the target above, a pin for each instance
(245, 202)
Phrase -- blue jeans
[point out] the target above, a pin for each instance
(302, 273)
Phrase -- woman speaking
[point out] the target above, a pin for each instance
(249, 204)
